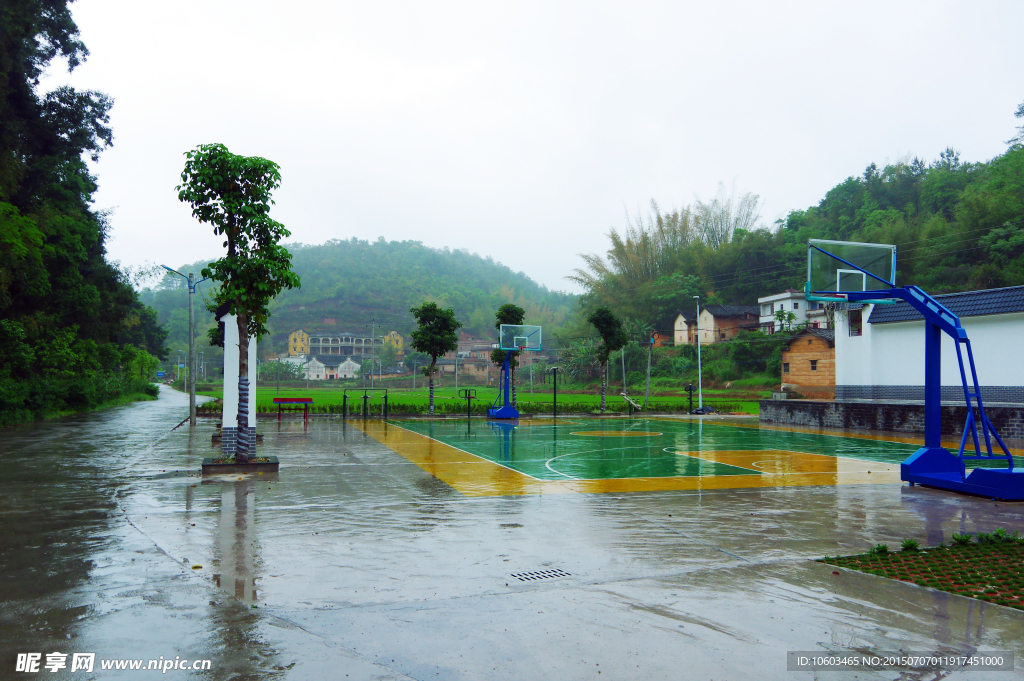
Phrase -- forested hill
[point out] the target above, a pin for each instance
(346, 284)
(957, 227)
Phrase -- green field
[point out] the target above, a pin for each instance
(446, 400)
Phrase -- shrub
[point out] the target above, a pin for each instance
(879, 550)
(962, 539)
(909, 545)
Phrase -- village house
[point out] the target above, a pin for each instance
(342, 344)
(809, 363)
(717, 323)
(811, 314)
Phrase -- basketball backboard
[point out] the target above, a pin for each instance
(520, 337)
(829, 278)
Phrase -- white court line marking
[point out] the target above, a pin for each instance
(547, 464)
(670, 450)
(476, 456)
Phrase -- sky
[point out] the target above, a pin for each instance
(526, 131)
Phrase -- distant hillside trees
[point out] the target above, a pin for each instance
(957, 226)
(349, 282)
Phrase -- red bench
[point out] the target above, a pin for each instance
(293, 404)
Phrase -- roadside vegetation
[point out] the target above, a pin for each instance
(74, 335)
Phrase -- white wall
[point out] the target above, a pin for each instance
(893, 353)
(230, 413)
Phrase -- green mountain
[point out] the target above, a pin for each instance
(346, 284)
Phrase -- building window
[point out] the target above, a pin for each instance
(814, 365)
(773, 308)
(856, 326)
(785, 367)
(796, 306)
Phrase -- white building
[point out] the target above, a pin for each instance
(314, 370)
(880, 348)
(348, 369)
(806, 313)
(321, 368)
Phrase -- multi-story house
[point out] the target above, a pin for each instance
(346, 344)
(810, 314)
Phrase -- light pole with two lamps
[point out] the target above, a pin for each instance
(191, 378)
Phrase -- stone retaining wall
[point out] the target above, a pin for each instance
(885, 416)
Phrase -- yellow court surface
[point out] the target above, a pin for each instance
(491, 458)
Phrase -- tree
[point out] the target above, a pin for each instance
(1018, 139)
(508, 313)
(639, 330)
(609, 327)
(387, 354)
(785, 318)
(278, 370)
(434, 336)
(414, 360)
(579, 359)
(59, 295)
(232, 193)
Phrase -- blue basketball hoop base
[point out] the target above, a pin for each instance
(940, 468)
(506, 410)
(503, 412)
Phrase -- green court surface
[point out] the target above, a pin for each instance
(598, 449)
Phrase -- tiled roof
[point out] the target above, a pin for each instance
(724, 311)
(688, 315)
(827, 335)
(967, 304)
(331, 360)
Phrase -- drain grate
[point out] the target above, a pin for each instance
(541, 574)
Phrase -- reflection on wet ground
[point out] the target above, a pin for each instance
(354, 560)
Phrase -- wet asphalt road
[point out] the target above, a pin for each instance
(354, 563)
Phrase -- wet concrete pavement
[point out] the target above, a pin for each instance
(354, 563)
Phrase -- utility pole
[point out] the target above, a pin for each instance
(700, 387)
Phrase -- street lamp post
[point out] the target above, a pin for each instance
(700, 391)
(191, 378)
(373, 349)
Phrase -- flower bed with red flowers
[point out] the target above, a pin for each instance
(988, 569)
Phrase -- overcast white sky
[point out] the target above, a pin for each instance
(526, 130)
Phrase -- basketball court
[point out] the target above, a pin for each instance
(585, 455)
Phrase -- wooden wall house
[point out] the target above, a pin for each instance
(809, 363)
